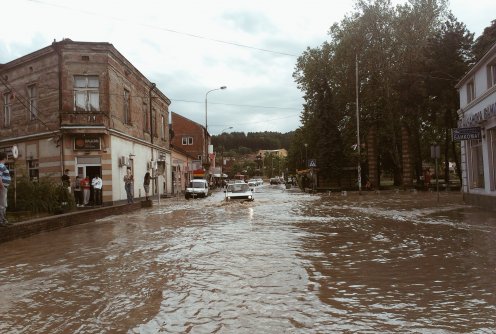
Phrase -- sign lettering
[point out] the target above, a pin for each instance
(87, 143)
(466, 133)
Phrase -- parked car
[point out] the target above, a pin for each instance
(252, 183)
(255, 182)
(196, 188)
(239, 191)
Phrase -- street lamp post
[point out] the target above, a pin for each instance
(206, 121)
(368, 37)
(222, 156)
(359, 167)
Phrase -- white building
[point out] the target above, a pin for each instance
(477, 129)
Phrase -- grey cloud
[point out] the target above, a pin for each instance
(249, 22)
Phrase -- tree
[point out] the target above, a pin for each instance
(449, 57)
(484, 42)
(388, 46)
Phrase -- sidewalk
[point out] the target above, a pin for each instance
(29, 227)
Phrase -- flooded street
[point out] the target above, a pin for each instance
(288, 262)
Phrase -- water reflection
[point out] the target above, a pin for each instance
(287, 262)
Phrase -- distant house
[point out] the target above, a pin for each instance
(477, 131)
(193, 139)
(83, 106)
(282, 153)
(182, 169)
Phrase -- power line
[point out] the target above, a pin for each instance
(21, 98)
(236, 105)
(175, 100)
(166, 29)
(257, 122)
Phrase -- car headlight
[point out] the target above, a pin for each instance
(228, 198)
(249, 197)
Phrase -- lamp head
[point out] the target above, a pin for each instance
(223, 87)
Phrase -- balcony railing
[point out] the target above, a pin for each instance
(84, 119)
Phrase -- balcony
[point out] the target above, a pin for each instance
(84, 119)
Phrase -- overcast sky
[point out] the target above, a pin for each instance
(189, 47)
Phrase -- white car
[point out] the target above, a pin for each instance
(255, 182)
(239, 191)
(196, 188)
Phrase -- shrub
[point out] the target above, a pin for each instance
(46, 195)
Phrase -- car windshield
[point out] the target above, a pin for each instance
(238, 188)
(196, 184)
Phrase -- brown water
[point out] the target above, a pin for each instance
(286, 263)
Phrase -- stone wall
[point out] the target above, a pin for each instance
(81, 216)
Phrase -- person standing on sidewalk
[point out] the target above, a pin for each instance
(129, 185)
(85, 184)
(78, 192)
(146, 184)
(4, 186)
(97, 184)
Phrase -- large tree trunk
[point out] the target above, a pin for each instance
(406, 158)
(372, 158)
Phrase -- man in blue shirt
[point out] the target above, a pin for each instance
(4, 186)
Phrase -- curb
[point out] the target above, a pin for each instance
(34, 226)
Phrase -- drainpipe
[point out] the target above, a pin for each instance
(152, 87)
(60, 137)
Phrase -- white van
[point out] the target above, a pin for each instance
(196, 188)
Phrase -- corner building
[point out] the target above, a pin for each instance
(477, 113)
(83, 106)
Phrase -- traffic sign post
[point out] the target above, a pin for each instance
(312, 163)
(436, 154)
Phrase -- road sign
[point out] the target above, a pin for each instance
(312, 163)
(435, 151)
(466, 133)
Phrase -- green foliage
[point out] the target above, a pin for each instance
(484, 42)
(241, 143)
(403, 62)
(43, 196)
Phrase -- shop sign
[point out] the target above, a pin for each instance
(87, 143)
(489, 112)
(466, 133)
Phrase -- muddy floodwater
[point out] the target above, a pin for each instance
(289, 262)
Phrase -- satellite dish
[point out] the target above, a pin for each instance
(15, 152)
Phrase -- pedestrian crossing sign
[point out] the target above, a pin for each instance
(312, 163)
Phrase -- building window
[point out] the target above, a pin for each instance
(86, 93)
(187, 140)
(162, 128)
(470, 91)
(127, 104)
(491, 75)
(33, 102)
(33, 166)
(153, 124)
(491, 136)
(475, 164)
(7, 107)
(146, 121)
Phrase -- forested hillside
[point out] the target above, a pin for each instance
(252, 141)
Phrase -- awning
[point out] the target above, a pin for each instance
(218, 175)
